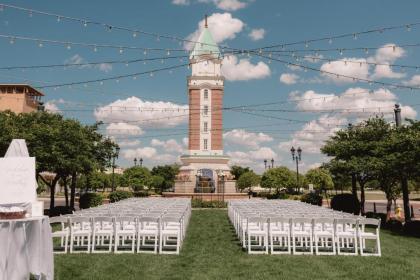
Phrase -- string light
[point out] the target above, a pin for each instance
(40, 44)
(12, 41)
(95, 49)
(85, 24)
(58, 19)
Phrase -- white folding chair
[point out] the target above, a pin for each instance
(366, 233)
(147, 234)
(302, 236)
(279, 235)
(124, 234)
(324, 236)
(63, 233)
(257, 232)
(346, 236)
(80, 229)
(170, 232)
(103, 230)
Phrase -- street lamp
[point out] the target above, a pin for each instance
(141, 162)
(272, 163)
(297, 157)
(265, 164)
(114, 156)
(135, 161)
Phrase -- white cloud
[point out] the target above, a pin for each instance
(122, 128)
(145, 113)
(257, 34)
(77, 59)
(388, 53)
(245, 138)
(170, 145)
(342, 68)
(289, 78)
(181, 2)
(385, 71)
(146, 152)
(222, 27)
(241, 70)
(413, 82)
(252, 157)
(226, 5)
(353, 105)
(128, 143)
(50, 106)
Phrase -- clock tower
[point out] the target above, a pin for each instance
(205, 165)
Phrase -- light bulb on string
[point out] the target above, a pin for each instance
(134, 34)
(341, 52)
(306, 45)
(151, 74)
(40, 44)
(157, 38)
(30, 14)
(162, 61)
(95, 49)
(85, 24)
(145, 52)
(408, 27)
(101, 83)
(134, 77)
(121, 50)
(58, 19)
(117, 80)
(354, 36)
(126, 64)
(170, 71)
(366, 50)
(330, 41)
(68, 46)
(144, 62)
(168, 53)
(393, 48)
(12, 40)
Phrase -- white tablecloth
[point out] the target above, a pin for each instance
(26, 247)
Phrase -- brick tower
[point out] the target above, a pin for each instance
(204, 166)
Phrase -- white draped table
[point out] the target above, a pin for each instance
(26, 247)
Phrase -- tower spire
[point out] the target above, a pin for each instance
(205, 21)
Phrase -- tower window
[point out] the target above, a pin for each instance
(205, 144)
(205, 126)
(206, 110)
(206, 94)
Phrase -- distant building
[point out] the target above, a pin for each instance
(20, 98)
(117, 170)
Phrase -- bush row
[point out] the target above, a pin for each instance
(198, 203)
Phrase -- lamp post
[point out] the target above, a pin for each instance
(141, 162)
(114, 156)
(221, 188)
(265, 164)
(135, 161)
(272, 163)
(297, 157)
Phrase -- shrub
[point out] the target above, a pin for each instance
(59, 210)
(89, 200)
(381, 216)
(412, 228)
(312, 198)
(119, 195)
(394, 225)
(141, 194)
(346, 202)
(267, 195)
(198, 203)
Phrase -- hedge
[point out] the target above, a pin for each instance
(119, 195)
(346, 202)
(89, 200)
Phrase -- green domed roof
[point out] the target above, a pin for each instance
(205, 45)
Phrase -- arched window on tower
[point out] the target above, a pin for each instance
(206, 94)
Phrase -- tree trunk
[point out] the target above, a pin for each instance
(388, 209)
(73, 190)
(354, 185)
(66, 191)
(406, 199)
(362, 198)
(52, 191)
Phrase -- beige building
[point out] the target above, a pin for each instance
(20, 98)
(205, 168)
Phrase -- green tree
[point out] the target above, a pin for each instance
(320, 178)
(237, 171)
(137, 178)
(278, 178)
(157, 182)
(247, 180)
(168, 173)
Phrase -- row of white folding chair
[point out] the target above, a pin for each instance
(91, 232)
(326, 233)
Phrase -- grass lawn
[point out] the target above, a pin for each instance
(212, 251)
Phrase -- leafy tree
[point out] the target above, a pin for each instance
(168, 173)
(237, 171)
(157, 182)
(247, 180)
(320, 178)
(137, 178)
(277, 178)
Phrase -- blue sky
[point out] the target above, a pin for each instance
(249, 139)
